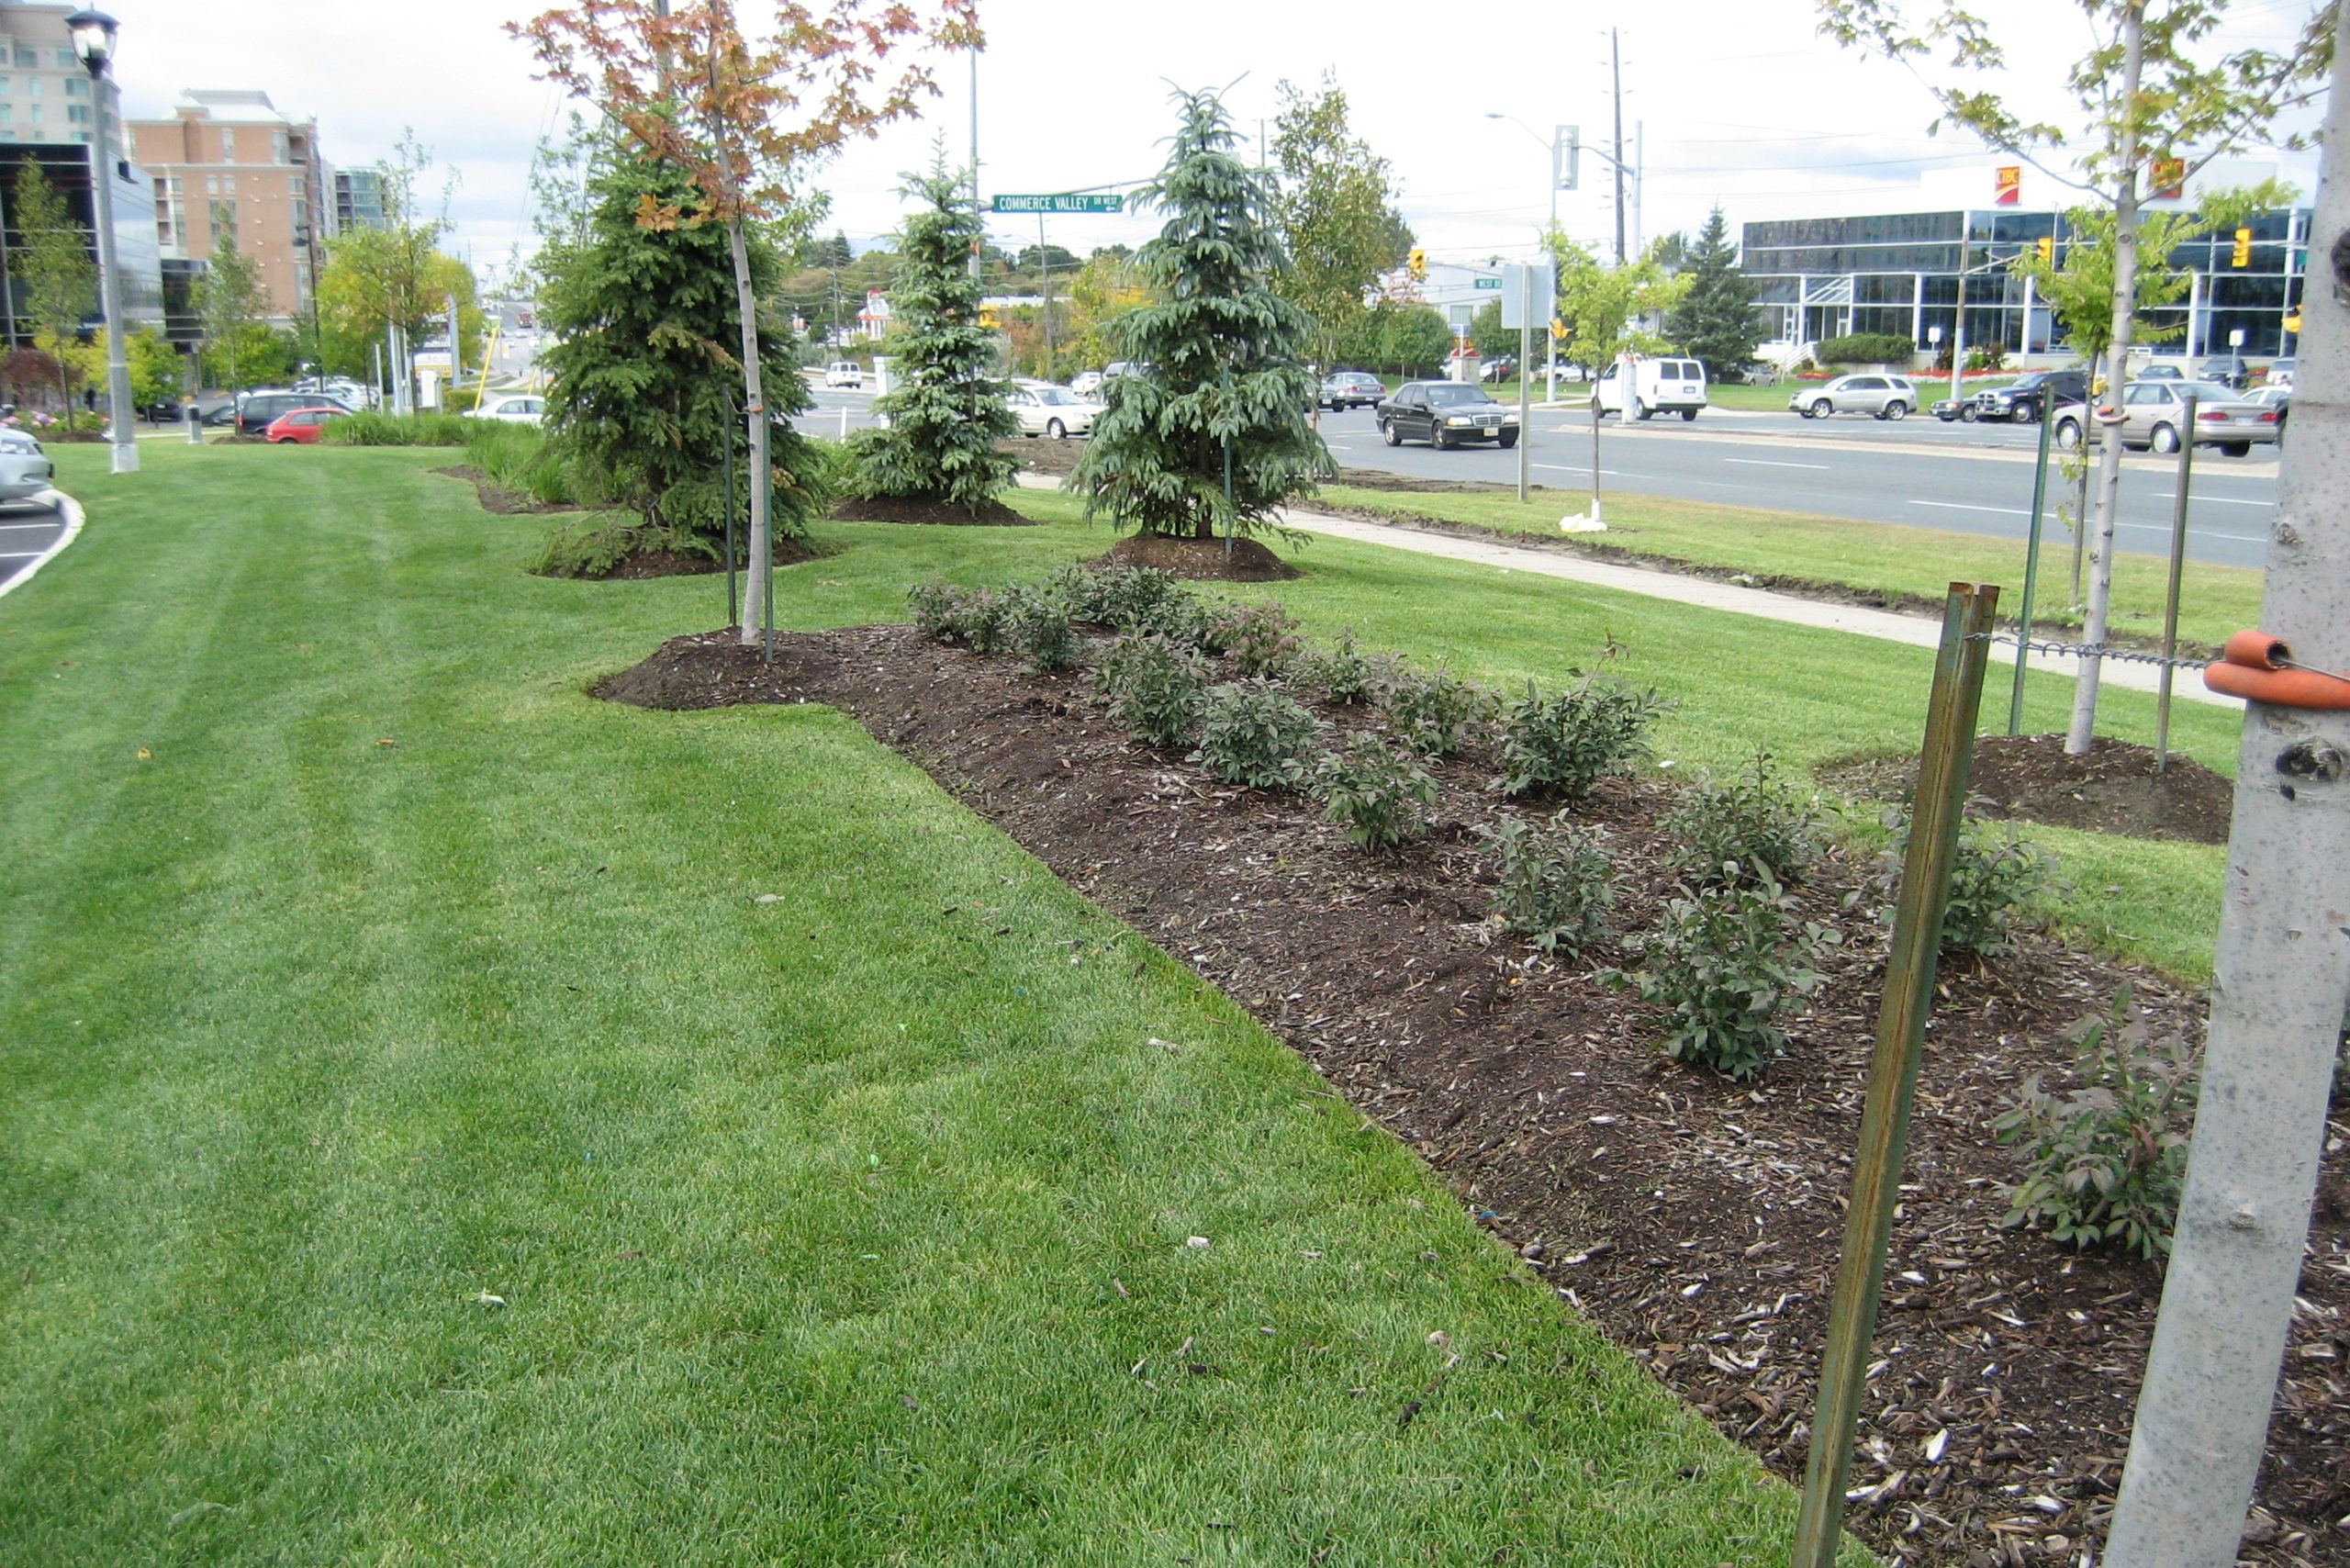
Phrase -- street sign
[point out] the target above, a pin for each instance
(1492, 283)
(1065, 203)
(1531, 296)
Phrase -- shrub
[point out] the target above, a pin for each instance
(2104, 1164)
(1252, 732)
(1155, 687)
(1261, 640)
(1553, 885)
(936, 606)
(977, 618)
(593, 546)
(1125, 599)
(1725, 962)
(1566, 745)
(398, 429)
(1379, 791)
(1868, 348)
(1727, 830)
(2001, 886)
(516, 456)
(1037, 626)
(1436, 712)
(1340, 674)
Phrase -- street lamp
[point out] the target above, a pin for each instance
(94, 34)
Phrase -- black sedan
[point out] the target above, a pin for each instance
(1351, 389)
(1445, 413)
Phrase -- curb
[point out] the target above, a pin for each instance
(70, 510)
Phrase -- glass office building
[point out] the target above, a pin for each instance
(1900, 272)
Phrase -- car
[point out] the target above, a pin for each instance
(2155, 412)
(1651, 387)
(2277, 398)
(256, 410)
(1056, 411)
(1085, 382)
(2162, 372)
(2280, 372)
(1497, 369)
(2022, 400)
(1445, 414)
(518, 408)
(844, 373)
(1882, 396)
(1350, 390)
(1125, 367)
(25, 469)
(301, 425)
(2227, 370)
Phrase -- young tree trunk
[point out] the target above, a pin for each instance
(755, 411)
(2117, 359)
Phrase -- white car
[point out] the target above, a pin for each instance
(515, 410)
(25, 469)
(1086, 383)
(1056, 411)
(844, 373)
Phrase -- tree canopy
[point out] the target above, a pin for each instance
(1334, 205)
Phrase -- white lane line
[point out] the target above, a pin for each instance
(1762, 462)
(20, 554)
(66, 507)
(1584, 468)
(2223, 501)
(20, 527)
(2191, 534)
(1961, 506)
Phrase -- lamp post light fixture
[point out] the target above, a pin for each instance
(94, 34)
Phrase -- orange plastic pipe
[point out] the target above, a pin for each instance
(2250, 666)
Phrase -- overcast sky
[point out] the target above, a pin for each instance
(1744, 103)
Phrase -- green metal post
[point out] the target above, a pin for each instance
(733, 605)
(766, 480)
(2031, 562)
(2170, 597)
(1969, 619)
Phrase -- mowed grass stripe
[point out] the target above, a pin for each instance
(809, 1217)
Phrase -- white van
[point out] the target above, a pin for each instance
(844, 372)
(1655, 387)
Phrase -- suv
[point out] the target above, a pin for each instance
(1351, 389)
(1885, 397)
(257, 411)
(2025, 398)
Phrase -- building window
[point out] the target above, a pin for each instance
(32, 86)
(4, 86)
(77, 114)
(68, 60)
(83, 137)
(36, 116)
(277, 147)
(76, 87)
(212, 184)
(27, 59)
(224, 223)
(8, 112)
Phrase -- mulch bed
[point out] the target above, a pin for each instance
(2110, 788)
(1201, 560)
(898, 509)
(497, 498)
(1696, 1220)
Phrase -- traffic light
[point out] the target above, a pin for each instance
(2293, 319)
(987, 318)
(1418, 265)
(2047, 249)
(2242, 257)
(1558, 330)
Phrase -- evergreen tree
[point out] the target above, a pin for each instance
(946, 412)
(1716, 321)
(57, 278)
(640, 326)
(1225, 393)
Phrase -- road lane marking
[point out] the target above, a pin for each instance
(1762, 462)
(2222, 500)
(2191, 534)
(1585, 468)
(1962, 506)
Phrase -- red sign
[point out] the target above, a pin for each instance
(2011, 184)
(2170, 178)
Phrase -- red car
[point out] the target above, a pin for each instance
(299, 424)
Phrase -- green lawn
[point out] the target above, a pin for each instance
(849, 1227)
(1872, 557)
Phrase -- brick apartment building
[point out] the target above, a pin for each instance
(231, 164)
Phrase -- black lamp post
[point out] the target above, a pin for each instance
(94, 35)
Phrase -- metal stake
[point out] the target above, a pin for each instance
(733, 613)
(2170, 596)
(2031, 564)
(1968, 621)
(766, 479)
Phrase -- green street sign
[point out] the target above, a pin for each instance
(1492, 283)
(1060, 203)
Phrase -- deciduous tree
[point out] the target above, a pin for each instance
(2151, 91)
(234, 307)
(742, 113)
(56, 278)
(1334, 205)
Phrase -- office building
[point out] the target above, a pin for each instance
(229, 166)
(358, 200)
(1898, 270)
(136, 270)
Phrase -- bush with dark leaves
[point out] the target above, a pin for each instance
(1154, 687)
(1435, 711)
(1726, 829)
(2000, 887)
(1253, 733)
(1562, 747)
(1553, 884)
(1259, 640)
(1379, 791)
(1724, 963)
(1037, 626)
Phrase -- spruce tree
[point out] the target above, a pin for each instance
(1716, 321)
(946, 413)
(1224, 352)
(641, 353)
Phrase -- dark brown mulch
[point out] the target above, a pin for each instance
(1201, 560)
(1696, 1220)
(497, 498)
(2112, 788)
(677, 563)
(1040, 456)
(215, 441)
(899, 509)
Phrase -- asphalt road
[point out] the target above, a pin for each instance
(1918, 471)
(26, 531)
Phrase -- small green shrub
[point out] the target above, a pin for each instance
(1378, 791)
(1563, 747)
(1726, 830)
(1868, 348)
(2000, 887)
(2104, 1164)
(1435, 711)
(1261, 640)
(1255, 733)
(1553, 884)
(398, 429)
(1125, 599)
(1725, 962)
(516, 456)
(1342, 674)
(979, 619)
(594, 546)
(1155, 687)
(936, 607)
(1037, 626)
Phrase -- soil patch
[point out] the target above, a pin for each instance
(2112, 788)
(1201, 560)
(644, 564)
(1696, 1220)
(901, 508)
(497, 498)
(1041, 457)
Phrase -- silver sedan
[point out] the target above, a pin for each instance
(25, 470)
(2154, 413)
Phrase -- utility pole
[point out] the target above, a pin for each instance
(977, 244)
(1616, 72)
(1045, 271)
(2282, 977)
